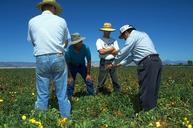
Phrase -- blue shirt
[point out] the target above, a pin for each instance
(48, 33)
(137, 46)
(76, 58)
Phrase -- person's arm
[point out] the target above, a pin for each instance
(67, 58)
(29, 36)
(116, 50)
(125, 51)
(107, 51)
(101, 50)
(67, 38)
(88, 58)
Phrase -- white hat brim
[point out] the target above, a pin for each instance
(78, 41)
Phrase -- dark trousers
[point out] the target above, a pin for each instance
(83, 72)
(149, 75)
(103, 73)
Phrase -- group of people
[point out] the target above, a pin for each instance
(60, 56)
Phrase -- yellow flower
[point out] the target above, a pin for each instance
(158, 124)
(189, 126)
(185, 118)
(62, 121)
(150, 124)
(40, 126)
(23, 117)
(1, 100)
(32, 120)
(33, 94)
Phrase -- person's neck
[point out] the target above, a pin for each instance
(106, 36)
(77, 49)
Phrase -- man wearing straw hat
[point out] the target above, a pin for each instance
(48, 34)
(107, 48)
(75, 56)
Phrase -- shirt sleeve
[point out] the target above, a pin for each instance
(127, 60)
(88, 54)
(125, 51)
(29, 34)
(116, 46)
(99, 44)
(67, 35)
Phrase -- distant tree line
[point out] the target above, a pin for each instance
(189, 63)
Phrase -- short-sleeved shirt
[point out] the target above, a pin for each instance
(78, 58)
(105, 43)
(48, 33)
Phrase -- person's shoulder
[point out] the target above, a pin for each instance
(60, 19)
(86, 46)
(99, 40)
(33, 19)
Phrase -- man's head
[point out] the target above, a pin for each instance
(77, 40)
(51, 5)
(125, 30)
(107, 29)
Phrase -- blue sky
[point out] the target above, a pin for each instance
(168, 22)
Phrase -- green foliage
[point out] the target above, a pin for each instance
(115, 110)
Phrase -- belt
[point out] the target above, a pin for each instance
(149, 56)
(58, 54)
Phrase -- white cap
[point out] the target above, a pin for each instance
(124, 28)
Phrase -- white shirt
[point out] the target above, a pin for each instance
(48, 33)
(137, 46)
(105, 43)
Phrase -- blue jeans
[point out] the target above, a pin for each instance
(74, 69)
(52, 67)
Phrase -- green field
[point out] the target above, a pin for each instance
(175, 104)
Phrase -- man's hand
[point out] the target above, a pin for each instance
(114, 52)
(110, 66)
(88, 77)
(70, 80)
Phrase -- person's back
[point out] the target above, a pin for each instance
(143, 45)
(47, 32)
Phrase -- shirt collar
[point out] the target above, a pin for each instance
(47, 12)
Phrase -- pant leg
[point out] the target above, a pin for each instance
(42, 82)
(59, 72)
(89, 84)
(148, 88)
(73, 71)
(114, 78)
(103, 73)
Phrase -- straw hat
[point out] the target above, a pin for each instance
(76, 38)
(51, 2)
(107, 27)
